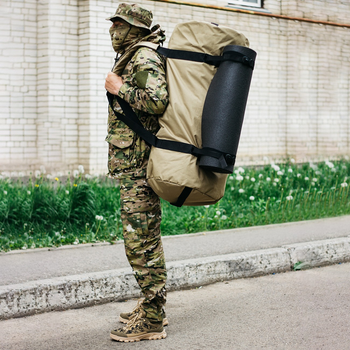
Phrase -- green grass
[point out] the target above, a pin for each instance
(43, 211)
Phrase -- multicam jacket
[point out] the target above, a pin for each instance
(145, 89)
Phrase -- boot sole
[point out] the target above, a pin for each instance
(125, 320)
(147, 336)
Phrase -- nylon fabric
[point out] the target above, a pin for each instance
(188, 83)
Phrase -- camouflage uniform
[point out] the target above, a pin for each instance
(145, 89)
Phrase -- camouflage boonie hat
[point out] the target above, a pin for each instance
(134, 15)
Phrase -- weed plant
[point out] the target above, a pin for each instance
(43, 211)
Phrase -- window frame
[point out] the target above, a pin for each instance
(259, 3)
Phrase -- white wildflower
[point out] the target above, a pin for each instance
(247, 177)
(88, 176)
(240, 215)
(313, 166)
(313, 183)
(276, 180)
(292, 160)
(25, 247)
(279, 173)
(5, 193)
(314, 179)
(275, 184)
(81, 169)
(230, 178)
(49, 176)
(37, 173)
(239, 178)
(275, 167)
(251, 198)
(232, 188)
(218, 212)
(99, 217)
(43, 170)
(75, 173)
(289, 198)
(241, 190)
(260, 176)
(252, 179)
(224, 217)
(298, 175)
(67, 192)
(76, 241)
(306, 178)
(206, 206)
(290, 170)
(344, 184)
(329, 164)
(28, 192)
(240, 170)
(268, 179)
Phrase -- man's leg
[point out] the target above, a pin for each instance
(141, 217)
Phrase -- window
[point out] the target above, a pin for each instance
(250, 3)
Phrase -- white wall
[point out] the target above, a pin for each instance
(54, 55)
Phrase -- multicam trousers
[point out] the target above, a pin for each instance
(141, 217)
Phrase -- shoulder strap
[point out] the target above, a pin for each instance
(127, 56)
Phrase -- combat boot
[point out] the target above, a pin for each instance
(125, 317)
(139, 328)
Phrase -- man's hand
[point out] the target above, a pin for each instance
(113, 83)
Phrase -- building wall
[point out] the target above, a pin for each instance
(55, 54)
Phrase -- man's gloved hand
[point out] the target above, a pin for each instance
(113, 83)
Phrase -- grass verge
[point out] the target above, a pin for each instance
(45, 211)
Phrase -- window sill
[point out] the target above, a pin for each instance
(248, 8)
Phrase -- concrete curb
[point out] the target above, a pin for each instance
(100, 287)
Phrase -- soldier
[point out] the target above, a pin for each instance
(143, 85)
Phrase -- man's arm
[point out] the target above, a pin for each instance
(146, 88)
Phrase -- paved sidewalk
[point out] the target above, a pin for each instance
(302, 310)
(44, 280)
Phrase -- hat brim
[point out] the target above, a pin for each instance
(135, 22)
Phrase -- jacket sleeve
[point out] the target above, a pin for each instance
(145, 88)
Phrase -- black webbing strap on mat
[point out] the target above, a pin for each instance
(203, 57)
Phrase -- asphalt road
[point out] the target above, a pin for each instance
(295, 310)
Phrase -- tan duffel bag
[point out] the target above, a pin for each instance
(174, 173)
